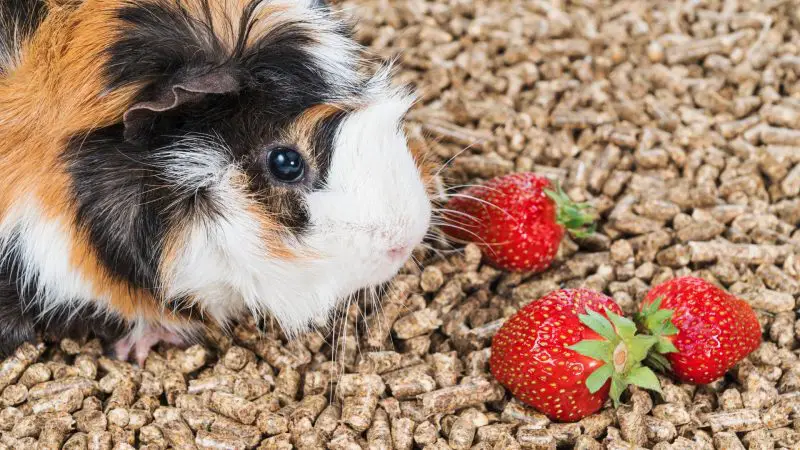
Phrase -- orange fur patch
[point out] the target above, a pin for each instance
(303, 129)
(56, 92)
(427, 167)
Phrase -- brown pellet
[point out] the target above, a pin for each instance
(403, 433)
(360, 385)
(232, 406)
(357, 411)
(187, 361)
(99, 440)
(206, 440)
(123, 395)
(736, 420)
(54, 432)
(174, 384)
(78, 441)
(35, 374)
(66, 401)
(288, 382)
(272, 424)
(456, 397)
(379, 435)
(219, 383)
(237, 357)
(15, 365)
(178, 434)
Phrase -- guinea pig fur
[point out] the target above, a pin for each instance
(166, 164)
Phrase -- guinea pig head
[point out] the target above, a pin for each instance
(256, 168)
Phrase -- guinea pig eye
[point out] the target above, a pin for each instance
(285, 164)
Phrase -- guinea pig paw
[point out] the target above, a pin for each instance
(141, 347)
(122, 349)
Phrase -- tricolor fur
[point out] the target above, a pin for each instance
(134, 192)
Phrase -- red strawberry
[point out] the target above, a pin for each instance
(557, 354)
(516, 219)
(703, 330)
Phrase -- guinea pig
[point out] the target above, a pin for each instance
(169, 164)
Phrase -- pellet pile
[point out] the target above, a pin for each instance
(678, 121)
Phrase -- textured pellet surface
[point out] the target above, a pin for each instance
(679, 122)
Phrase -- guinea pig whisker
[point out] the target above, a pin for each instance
(375, 295)
(484, 202)
(452, 223)
(383, 292)
(436, 251)
(452, 158)
(416, 262)
(439, 240)
(468, 185)
(458, 213)
(363, 313)
(436, 234)
(338, 331)
(345, 325)
(483, 242)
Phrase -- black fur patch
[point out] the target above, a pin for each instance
(162, 41)
(185, 307)
(19, 19)
(22, 318)
(325, 140)
(121, 202)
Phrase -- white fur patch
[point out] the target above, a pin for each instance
(6, 59)
(45, 246)
(46, 252)
(9, 51)
(374, 198)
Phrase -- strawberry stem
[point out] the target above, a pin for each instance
(620, 357)
(621, 349)
(575, 217)
(658, 323)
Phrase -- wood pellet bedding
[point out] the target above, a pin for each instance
(678, 121)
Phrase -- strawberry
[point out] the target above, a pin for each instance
(517, 219)
(564, 353)
(702, 330)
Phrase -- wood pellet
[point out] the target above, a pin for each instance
(679, 122)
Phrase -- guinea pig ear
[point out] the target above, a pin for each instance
(140, 118)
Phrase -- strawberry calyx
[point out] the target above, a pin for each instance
(574, 217)
(621, 349)
(658, 323)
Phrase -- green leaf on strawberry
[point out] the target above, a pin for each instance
(658, 322)
(598, 378)
(622, 351)
(658, 361)
(593, 349)
(597, 323)
(644, 378)
(575, 217)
